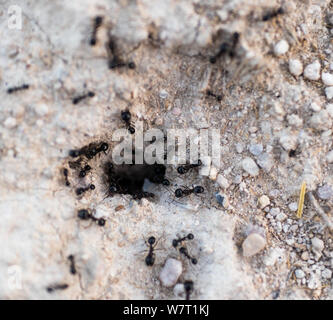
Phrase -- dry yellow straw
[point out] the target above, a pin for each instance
(301, 200)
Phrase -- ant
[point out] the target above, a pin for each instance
(76, 100)
(218, 97)
(185, 168)
(62, 286)
(14, 89)
(89, 151)
(84, 171)
(188, 287)
(226, 47)
(150, 259)
(184, 251)
(116, 62)
(80, 191)
(72, 264)
(66, 177)
(175, 242)
(185, 192)
(272, 14)
(97, 23)
(126, 117)
(84, 214)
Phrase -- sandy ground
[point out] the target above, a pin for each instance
(275, 120)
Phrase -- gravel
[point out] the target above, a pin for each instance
(253, 244)
(327, 78)
(281, 48)
(171, 272)
(295, 67)
(325, 192)
(312, 71)
(249, 165)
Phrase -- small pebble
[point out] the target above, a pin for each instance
(329, 93)
(326, 273)
(222, 181)
(256, 149)
(265, 161)
(305, 256)
(317, 245)
(321, 121)
(327, 78)
(163, 94)
(239, 147)
(295, 120)
(10, 123)
(295, 67)
(253, 244)
(299, 273)
(325, 192)
(293, 206)
(315, 107)
(281, 48)
(250, 166)
(170, 272)
(281, 216)
(312, 71)
(263, 201)
(222, 200)
(213, 173)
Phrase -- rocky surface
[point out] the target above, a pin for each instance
(275, 116)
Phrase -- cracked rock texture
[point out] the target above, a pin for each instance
(276, 132)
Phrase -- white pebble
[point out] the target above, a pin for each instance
(250, 166)
(263, 201)
(41, 109)
(315, 107)
(213, 173)
(299, 273)
(253, 244)
(293, 206)
(312, 71)
(327, 78)
(170, 272)
(329, 93)
(321, 121)
(326, 273)
(317, 245)
(281, 48)
(222, 181)
(10, 123)
(294, 120)
(295, 67)
(281, 216)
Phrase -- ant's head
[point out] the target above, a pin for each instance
(74, 153)
(181, 170)
(178, 193)
(126, 115)
(190, 236)
(83, 214)
(104, 146)
(101, 222)
(194, 260)
(198, 189)
(151, 240)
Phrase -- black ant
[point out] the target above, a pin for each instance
(76, 100)
(84, 171)
(72, 264)
(80, 191)
(89, 151)
(62, 286)
(84, 214)
(150, 259)
(14, 89)
(218, 97)
(188, 287)
(226, 47)
(185, 192)
(185, 168)
(65, 172)
(126, 117)
(97, 23)
(115, 61)
(184, 251)
(175, 242)
(272, 14)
